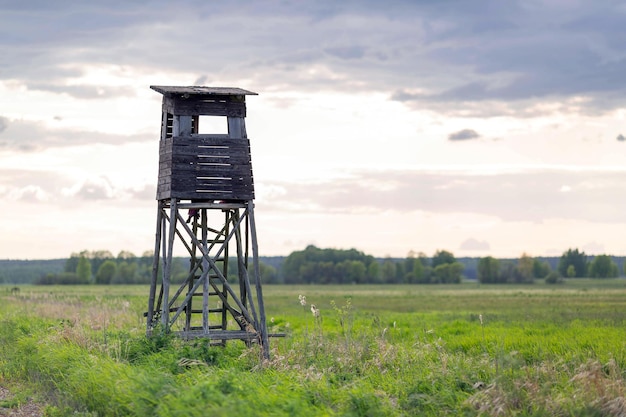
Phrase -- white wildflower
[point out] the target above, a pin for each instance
(480, 317)
(315, 311)
(302, 299)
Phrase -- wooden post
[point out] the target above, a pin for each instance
(168, 267)
(155, 272)
(205, 275)
(257, 279)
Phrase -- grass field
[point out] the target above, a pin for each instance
(467, 349)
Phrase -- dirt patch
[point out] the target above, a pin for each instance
(8, 409)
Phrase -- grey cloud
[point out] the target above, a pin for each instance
(30, 186)
(35, 186)
(621, 138)
(346, 52)
(4, 122)
(30, 136)
(457, 55)
(31, 194)
(85, 91)
(23, 177)
(473, 244)
(148, 192)
(202, 80)
(532, 196)
(93, 189)
(464, 134)
(594, 248)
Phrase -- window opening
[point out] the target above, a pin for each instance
(212, 125)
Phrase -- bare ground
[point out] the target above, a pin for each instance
(29, 409)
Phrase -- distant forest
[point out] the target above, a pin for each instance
(314, 265)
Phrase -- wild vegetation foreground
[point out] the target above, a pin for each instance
(472, 349)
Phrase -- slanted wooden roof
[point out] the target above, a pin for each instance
(201, 91)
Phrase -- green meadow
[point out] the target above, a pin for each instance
(387, 350)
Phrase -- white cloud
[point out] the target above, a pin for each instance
(524, 196)
(472, 244)
(565, 189)
(30, 194)
(96, 188)
(593, 248)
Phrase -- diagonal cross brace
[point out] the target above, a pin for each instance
(219, 273)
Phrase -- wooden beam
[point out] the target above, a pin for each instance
(155, 269)
(257, 273)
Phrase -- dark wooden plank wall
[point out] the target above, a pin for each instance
(205, 167)
(230, 106)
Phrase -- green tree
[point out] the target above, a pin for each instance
(400, 272)
(603, 266)
(125, 273)
(98, 257)
(292, 266)
(553, 277)
(317, 265)
(571, 271)
(448, 273)
(576, 259)
(269, 274)
(83, 269)
(524, 269)
(409, 263)
(373, 273)
(507, 272)
(416, 275)
(389, 271)
(106, 272)
(419, 271)
(541, 269)
(423, 259)
(442, 257)
(488, 270)
(72, 262)
(357, 271)
(125, 255)
(444, 269)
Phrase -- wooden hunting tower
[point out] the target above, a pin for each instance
(208, 176)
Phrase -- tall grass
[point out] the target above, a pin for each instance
(369, 351)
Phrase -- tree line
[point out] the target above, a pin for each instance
(315, 265)
(572, 264)
(103, 268)
(339, 266)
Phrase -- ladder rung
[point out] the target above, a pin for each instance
(199, 260)
(211, 276)
(213, 327)
(211, 310)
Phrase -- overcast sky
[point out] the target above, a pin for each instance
(482, 128)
